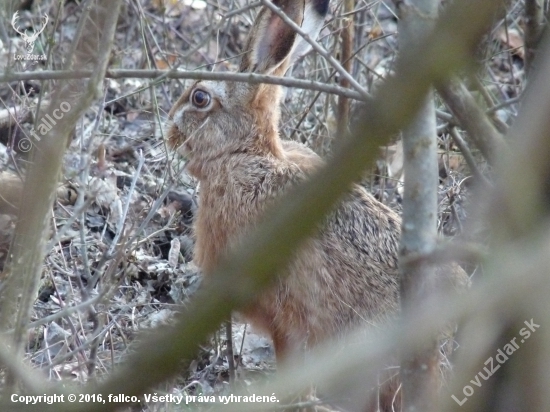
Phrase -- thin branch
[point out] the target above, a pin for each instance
(124, 214)
(160, 75)
(345, 58)
(66, 311)
(505, 103)
(229, 353)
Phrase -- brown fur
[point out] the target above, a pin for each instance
(344, 276)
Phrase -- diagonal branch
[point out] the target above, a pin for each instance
(463, 106)
(28, 248)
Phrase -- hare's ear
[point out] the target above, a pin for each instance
(272, 42)
(314, 20)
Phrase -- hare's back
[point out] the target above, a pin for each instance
(348, 273)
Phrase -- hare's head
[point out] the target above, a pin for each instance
(214, 119)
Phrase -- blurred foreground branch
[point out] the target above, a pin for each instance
(32, 230)
(472, 119)
(521, 192)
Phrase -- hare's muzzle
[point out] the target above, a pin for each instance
(177, 140)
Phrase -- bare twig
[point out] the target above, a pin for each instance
(160, 75)
(345, 58)
(66, 311)
(124, 214)
(230, 356)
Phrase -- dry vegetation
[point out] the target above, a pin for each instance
(119, 252)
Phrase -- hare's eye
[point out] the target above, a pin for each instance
(200, 99)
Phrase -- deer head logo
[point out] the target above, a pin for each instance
(29, 39)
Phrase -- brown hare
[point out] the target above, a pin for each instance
(230, 135)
